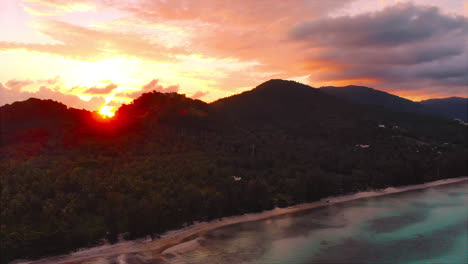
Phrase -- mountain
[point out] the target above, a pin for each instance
(285, 104)
(35, 122)
(70, 178)
(366, 95)
(453, 107)
(299, 109)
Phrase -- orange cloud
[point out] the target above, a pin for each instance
(9, 96)
(199, 94)
(247, 30)
(82, 43)
(153, 85)
(55, 6)
(423, 94)
(243, 13)
(16, 85)
(356, 81)
(100, 91)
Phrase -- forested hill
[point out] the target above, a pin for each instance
(286, 104)
(366, 95)
(295, 108)
(34, 122)
(70, 178)
(454, 107)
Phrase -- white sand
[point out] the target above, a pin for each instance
(175, 241)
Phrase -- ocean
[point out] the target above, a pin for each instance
(421, 226)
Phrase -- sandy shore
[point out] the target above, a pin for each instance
(186, 238)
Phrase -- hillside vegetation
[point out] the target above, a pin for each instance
(69, 178)
(453, 107)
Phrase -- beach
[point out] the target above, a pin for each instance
(186, 239)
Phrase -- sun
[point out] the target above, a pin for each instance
(106, 111)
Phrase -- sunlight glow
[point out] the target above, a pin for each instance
(115, 69)
(106, 111)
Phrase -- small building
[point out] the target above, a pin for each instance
(461, 122)
(382, 126)
(237, 178)
(363, 146)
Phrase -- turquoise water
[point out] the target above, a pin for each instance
(423, 226)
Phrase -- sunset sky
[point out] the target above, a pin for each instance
(87, 54)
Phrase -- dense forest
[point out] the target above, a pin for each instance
(453, 107)
(70, 178)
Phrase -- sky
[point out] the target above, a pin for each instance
(87, 54)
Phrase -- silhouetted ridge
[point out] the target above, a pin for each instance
(280, 86)
(35, 118)
(299, 109)
(161, 105)
(154, 109)
(32, 108)
(366, 95)
(454, 107)
(283, 103)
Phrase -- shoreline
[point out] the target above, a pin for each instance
(176, 240)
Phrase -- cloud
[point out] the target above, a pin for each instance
(244, 31)
(199, 94)
(227, 12)
(114, 103)
(16, 85)
(101, 91)
(397, 25)
(57, 7)
(153, 85)
(406, 46)
(81, 43)
(8, 96)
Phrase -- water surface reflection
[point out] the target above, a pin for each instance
(420, 226)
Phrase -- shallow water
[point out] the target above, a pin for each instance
(422, 226)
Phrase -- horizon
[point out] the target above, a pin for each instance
(109, 111)
(88, 54)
